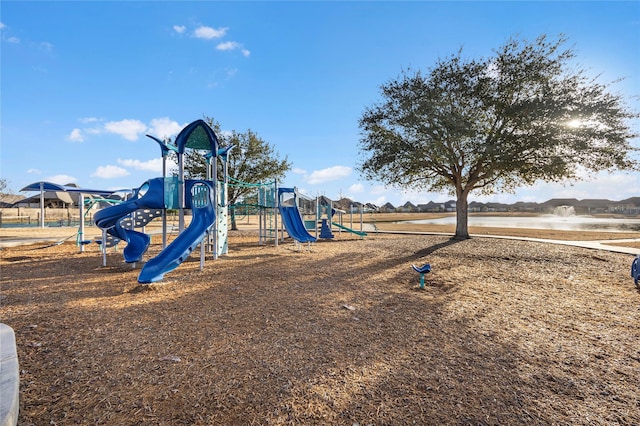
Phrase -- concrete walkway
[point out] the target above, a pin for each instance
(65, 235)
(23, 241)
(9, 377)
(607, 245)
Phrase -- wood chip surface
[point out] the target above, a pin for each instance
(505, 332)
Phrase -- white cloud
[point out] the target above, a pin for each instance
(379, 189)
(225, 133)
(380, 201)
(329, 174)
(46, 46)
(128, 129)
(109, 172)
(179, 28)
(75, 136)
(209, 33)
(61, 179)
(164, 127)
(154, 165)
(356, 188)
(233, 45)
(10, 39)
(612, 186)
(93, 130)
(33, 171)
(228, 45)
(298, 171)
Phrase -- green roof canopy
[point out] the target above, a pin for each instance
(197, 135)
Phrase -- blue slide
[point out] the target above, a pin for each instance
(294, 225)
(109, 218)
(203, 217)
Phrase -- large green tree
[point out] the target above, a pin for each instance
(252, 160)
(528, 113)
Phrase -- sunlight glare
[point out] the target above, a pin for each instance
(575, 123)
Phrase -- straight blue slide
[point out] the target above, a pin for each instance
(294, 225)
(203, 218)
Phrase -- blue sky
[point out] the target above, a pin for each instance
(82, 82)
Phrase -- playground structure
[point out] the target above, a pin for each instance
(319, 216)
(205, 198)
(258, 200)
(208, 201)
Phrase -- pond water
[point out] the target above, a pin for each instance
(560, 223)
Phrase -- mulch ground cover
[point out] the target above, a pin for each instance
(338, 333)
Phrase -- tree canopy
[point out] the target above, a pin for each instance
(528, 113)
(252, 160)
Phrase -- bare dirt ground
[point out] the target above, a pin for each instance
(339, 333)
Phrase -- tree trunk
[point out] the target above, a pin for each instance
(234, 226)
(462, 216)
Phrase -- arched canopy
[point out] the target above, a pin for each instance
(197, 135)
(54, 187)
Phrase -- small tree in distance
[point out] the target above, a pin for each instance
(252, 160)
(4, 186)
(491, 125)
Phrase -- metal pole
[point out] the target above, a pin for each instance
(180, 193)
(318, 213)
(103, 246)
(214, 165)
(41, 204)
(351, 216)
(275, 211)
(202, 250)
(164, 210)
(81, 231)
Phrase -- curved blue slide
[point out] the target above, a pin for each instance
(293, 223)
(203, 217)
(109, 218)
